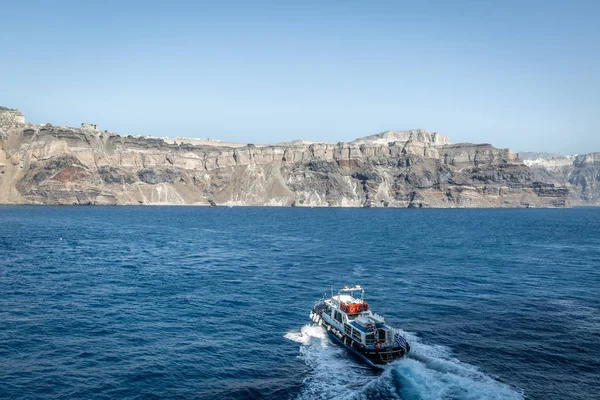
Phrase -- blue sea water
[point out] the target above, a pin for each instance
(200, 303)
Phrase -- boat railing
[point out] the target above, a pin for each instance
(378, 318)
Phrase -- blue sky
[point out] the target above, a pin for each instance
(518, 74)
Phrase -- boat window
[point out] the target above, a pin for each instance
(369, 339)
(356, 334)
(338, 316)
(352, 316)
(328, 309)
(381, 333)
(348, 329)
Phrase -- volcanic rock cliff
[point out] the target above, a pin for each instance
(579, 173)
(44, 164)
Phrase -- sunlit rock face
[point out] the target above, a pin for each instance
(579, 173)
(44, 164)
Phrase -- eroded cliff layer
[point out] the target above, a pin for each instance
(579, 173)
(43, 164)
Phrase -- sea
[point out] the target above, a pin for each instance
(212, 303)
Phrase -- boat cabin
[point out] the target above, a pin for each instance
(350, 322)
(352, 315)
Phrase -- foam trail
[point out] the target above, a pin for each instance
(307, 333)
(430, 372)
(334, 374)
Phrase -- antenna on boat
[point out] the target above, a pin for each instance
(332, 291)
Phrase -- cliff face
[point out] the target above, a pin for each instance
(581, 174)
(41, 164)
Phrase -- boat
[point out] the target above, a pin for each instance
(350, 322)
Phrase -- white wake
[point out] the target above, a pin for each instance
(429, 372)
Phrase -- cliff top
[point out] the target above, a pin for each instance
(535, 155)
(420, 135)
(11, 116)
(2, 108)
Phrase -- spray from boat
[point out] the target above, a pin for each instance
(427, 372)
(344, 323)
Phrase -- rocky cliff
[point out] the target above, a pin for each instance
(44, 164)
(579, 173)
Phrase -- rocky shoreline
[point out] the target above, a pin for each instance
(44, 164)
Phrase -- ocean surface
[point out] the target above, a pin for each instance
(201, 303)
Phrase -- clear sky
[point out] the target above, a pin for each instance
(518, 74)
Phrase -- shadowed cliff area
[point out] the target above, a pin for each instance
(44, 164)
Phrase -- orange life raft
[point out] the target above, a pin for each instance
(354, 308)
